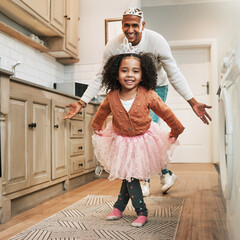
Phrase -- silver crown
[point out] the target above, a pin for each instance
(126, 47)
(133, 11)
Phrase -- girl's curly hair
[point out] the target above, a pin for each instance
(111, 68)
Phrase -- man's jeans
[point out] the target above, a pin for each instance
(162, 93)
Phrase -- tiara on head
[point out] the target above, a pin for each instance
(126, 47)
(133, 11)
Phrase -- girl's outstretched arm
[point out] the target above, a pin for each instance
(102, 113)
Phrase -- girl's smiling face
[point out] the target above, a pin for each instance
(130, 73)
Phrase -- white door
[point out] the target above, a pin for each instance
(195, 142)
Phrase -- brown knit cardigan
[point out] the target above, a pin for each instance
(137, 120)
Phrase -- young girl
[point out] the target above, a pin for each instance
(132, 147)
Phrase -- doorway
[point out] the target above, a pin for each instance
(196, 141)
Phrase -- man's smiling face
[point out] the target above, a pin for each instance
(132, 27)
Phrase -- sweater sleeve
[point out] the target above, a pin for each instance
(93, 87)
(96, 83)
(102, 113)
(169, 64)
(164, 112)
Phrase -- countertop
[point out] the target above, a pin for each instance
(19, 80)
(5, 72)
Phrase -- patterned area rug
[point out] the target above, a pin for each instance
(86, 220)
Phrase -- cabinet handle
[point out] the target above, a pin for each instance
(80, 147)
(80, 164)
(68, 18)
(32, 125)
(56, 126)
(79, 130)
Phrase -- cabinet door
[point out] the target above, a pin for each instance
(59, 140)
(39, 127)
(57, 14)
(90, 161)
(72, 25)
(42, 8)
(16, 167)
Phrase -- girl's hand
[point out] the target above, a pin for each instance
(173, 138)
(98, 132)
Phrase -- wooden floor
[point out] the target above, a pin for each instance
(203, 216)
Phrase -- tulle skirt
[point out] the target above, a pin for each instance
(137, 157)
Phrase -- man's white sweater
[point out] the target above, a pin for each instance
(167, 68)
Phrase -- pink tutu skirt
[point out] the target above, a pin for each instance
(137, 157)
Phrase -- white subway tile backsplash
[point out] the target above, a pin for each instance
(40, 68)
(5, 51)
(85, 68)
(96, 67)
(69, 69)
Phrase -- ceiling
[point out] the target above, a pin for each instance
(152, 3)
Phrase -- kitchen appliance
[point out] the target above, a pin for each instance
(74, 88)
(229, 124)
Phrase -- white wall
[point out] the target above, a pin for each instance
(92, 26)
(92, 35)
(214, 20)
(218, 20)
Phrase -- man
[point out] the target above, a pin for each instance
(145, 40)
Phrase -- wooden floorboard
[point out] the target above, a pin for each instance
(203, 216)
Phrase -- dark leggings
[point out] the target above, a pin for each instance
(131, 190)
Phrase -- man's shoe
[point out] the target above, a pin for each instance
(168, 181)
(145, 188)
(114, 215)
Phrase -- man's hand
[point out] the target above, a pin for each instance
(74, 109)
(200, 110)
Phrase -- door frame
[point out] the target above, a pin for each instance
(214, 83)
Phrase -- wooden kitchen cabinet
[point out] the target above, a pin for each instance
(76, 145)
(72, 19)
(15, 166)
(33, 15)
(51, 10)
(63, 48)
(28, 128)
(54, 21)
(42, 8)
(90, 160)
(59, 140)
(57, 17)
(39, 126)
(42, 155)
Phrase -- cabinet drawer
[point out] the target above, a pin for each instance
(76, 147)
(76, 129)
(90, 109)
(78, 116)
(77, 164)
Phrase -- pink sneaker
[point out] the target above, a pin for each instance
(114, 215)
(139, 222)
